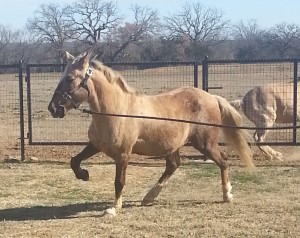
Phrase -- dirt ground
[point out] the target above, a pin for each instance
(42, 198)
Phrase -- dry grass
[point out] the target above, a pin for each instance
(43, 199)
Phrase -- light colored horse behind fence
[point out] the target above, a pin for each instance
(106, 91)
(266, 105)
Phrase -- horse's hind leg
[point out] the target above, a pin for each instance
(172, 163)
(221, 160)
(212, 151)
(87, 152)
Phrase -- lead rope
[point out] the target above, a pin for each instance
(88, 111)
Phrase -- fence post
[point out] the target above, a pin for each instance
(21, 102)
(29, 135)
(196, 84)
(205, 74)
(295, 101)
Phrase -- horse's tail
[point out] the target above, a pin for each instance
(237, 104)
(236, 138)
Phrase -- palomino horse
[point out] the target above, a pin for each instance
(106, 91)
(265, 105)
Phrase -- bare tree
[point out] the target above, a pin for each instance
(50, 25)
(144, 24)
(6, 36)
(248, 40)
(23, 47)
(9, 42)
(283, 40)
(246, 30)
(159, 49)
(92, 19)
(202, 27)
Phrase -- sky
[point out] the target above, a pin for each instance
(268, 13)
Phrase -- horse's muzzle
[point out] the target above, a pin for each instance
(57, 111)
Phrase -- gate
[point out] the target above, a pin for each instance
(150, 78)
(12, 111)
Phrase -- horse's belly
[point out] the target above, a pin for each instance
(161, 139)
(153, 148)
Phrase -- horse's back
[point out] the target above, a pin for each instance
(185, 102)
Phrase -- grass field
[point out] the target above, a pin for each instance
(43, 199)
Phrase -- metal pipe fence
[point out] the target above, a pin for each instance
(33, 125)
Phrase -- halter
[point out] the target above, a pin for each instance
(83, 84)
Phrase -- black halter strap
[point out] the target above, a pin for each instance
(83, 83)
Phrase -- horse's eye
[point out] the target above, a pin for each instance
(70, 79)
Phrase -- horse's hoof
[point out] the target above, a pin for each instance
(278, 156)
(85, 175)
(146, 202)
(82, 174)
(228, 198)
(111, 212)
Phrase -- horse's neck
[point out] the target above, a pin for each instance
(107, 98)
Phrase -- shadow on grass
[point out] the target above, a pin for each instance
(93, 209)
(51, 212)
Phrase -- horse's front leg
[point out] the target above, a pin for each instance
(87, 152)
(120, 178)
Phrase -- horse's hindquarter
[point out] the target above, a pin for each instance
(273, 103)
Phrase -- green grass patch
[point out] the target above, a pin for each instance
(244, 177)
(198, 171)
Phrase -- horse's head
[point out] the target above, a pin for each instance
(73, 87)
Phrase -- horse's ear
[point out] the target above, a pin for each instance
(88, 55)
(85, 59)
(68, 57)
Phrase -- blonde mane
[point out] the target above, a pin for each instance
(113, 77)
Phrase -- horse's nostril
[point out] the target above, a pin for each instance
(56, 110)
(51, 107)
(60, 111)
